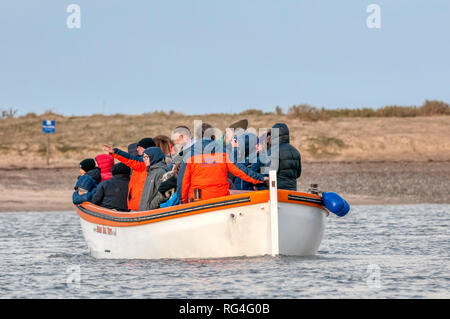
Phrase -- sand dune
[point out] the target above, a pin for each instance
(22, 143)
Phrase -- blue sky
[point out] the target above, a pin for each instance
(204, 56)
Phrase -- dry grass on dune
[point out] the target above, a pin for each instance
(22, 142)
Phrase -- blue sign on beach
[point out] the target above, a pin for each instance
(48, 126)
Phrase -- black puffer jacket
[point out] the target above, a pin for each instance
(289, 159)
(112, 193)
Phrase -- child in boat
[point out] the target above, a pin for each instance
(112, 193)
(84, 189)
(87, 166)
(105, 163)
(154, 160)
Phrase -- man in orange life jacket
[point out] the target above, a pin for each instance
(205, 169)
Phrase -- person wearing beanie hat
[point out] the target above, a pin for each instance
(112, 193)
(144, 144)
(87, 166)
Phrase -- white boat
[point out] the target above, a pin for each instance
(270, 222)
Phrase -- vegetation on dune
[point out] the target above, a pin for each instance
(324, 146)
(321, 134)
(428, 108)
(304, 112)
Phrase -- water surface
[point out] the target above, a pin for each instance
(397, 251)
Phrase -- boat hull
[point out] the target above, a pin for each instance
(238, 225)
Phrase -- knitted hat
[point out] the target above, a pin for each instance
(120, 169)
(146, 142)
(87, 164)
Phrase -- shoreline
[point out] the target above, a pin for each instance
(360, 183)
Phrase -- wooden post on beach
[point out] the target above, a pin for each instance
(48, 149)
(48, 127)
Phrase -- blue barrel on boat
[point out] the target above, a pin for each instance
(335, 203)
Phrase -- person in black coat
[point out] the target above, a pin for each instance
(288, 157)
(112, 193)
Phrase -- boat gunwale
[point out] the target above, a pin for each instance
(103, 216)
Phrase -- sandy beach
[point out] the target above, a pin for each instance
(42, 189)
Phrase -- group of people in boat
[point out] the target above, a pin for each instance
(161, 171)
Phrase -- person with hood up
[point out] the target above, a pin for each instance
(87, 166)
(167, 191)
(262, 158)
(138, 167)
(288, 158)
(154, 160)
(112, 193)
(246, 154)
(105, 163)
(84, 189)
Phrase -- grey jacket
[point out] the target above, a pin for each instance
(155, 173)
